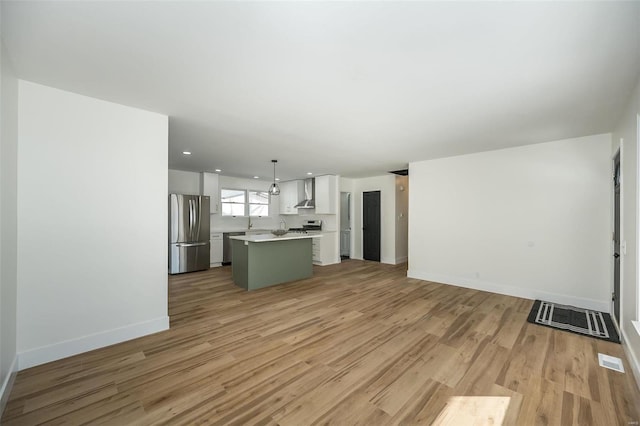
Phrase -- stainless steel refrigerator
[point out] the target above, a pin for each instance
(188, 233)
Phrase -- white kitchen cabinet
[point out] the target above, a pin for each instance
(326, 194)
(209, 185)
(215, 254)
(291, 193)
(324, 249)
(316, 248)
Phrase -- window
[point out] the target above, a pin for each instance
(233, 202)
(240, 202)
(259, 203)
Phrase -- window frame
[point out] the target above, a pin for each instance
(222, 203)
(247, 202)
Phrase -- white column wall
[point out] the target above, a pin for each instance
(92, 229)
(8, 224)
(627, 132)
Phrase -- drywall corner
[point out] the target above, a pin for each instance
(7, 384)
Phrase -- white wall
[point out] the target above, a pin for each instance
(401, 215)
(387, 187)
(531, 221)
(8, 224)
(92, 229)
(184, 182)
(627, 131)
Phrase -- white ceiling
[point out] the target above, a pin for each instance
(353, 88)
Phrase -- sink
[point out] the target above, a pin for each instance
(279, 232)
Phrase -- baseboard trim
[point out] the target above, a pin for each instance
(332, 262)
(631, 356)
(603, 306)
(68, 348)
(402, 259)
(7, 384)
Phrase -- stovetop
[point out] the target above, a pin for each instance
(308, 225)
(298, 230)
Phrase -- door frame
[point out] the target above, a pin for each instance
(350, 215)
(617, 154)
(362, 222)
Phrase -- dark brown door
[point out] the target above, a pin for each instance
(616, 238)
(371, 225)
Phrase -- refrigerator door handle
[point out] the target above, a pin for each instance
(194, 235)
(190, 220)
(197, 207)
(191, 244)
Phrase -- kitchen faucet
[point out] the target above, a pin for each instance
(250, 224)
(283, 224)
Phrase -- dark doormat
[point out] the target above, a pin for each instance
(576, 320)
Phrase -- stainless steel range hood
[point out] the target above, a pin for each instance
(309, 201)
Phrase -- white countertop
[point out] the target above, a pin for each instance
(222, 231)
(266, 231)
(264, 238)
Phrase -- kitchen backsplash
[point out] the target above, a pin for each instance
(226, 223)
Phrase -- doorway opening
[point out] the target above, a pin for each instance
(345, 225)
(371, 225)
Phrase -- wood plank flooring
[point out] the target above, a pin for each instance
(359, 343)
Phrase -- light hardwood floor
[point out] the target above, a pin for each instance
(359, 343)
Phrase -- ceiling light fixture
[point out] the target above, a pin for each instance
(256, 177)
(309, 173)
(218, 170)
(274, 189)
(186, 152)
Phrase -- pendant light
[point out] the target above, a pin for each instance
(274, 189)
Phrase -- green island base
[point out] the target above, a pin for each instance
(262, 264)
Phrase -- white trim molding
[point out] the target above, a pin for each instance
(7, 384)
(68, 348)
(631, 357)
(598, 305)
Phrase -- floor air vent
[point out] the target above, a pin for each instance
(610, 362)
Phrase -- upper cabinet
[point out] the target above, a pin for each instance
(326, 194)
(291, 193)
(209, 185)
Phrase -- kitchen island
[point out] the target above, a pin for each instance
(264, 260)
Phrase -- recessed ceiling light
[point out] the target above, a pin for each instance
(309, 173)
(218, 170)
(186, 152)
(256, 177)
(277, 178)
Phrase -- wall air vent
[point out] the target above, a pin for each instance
(403, 172)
